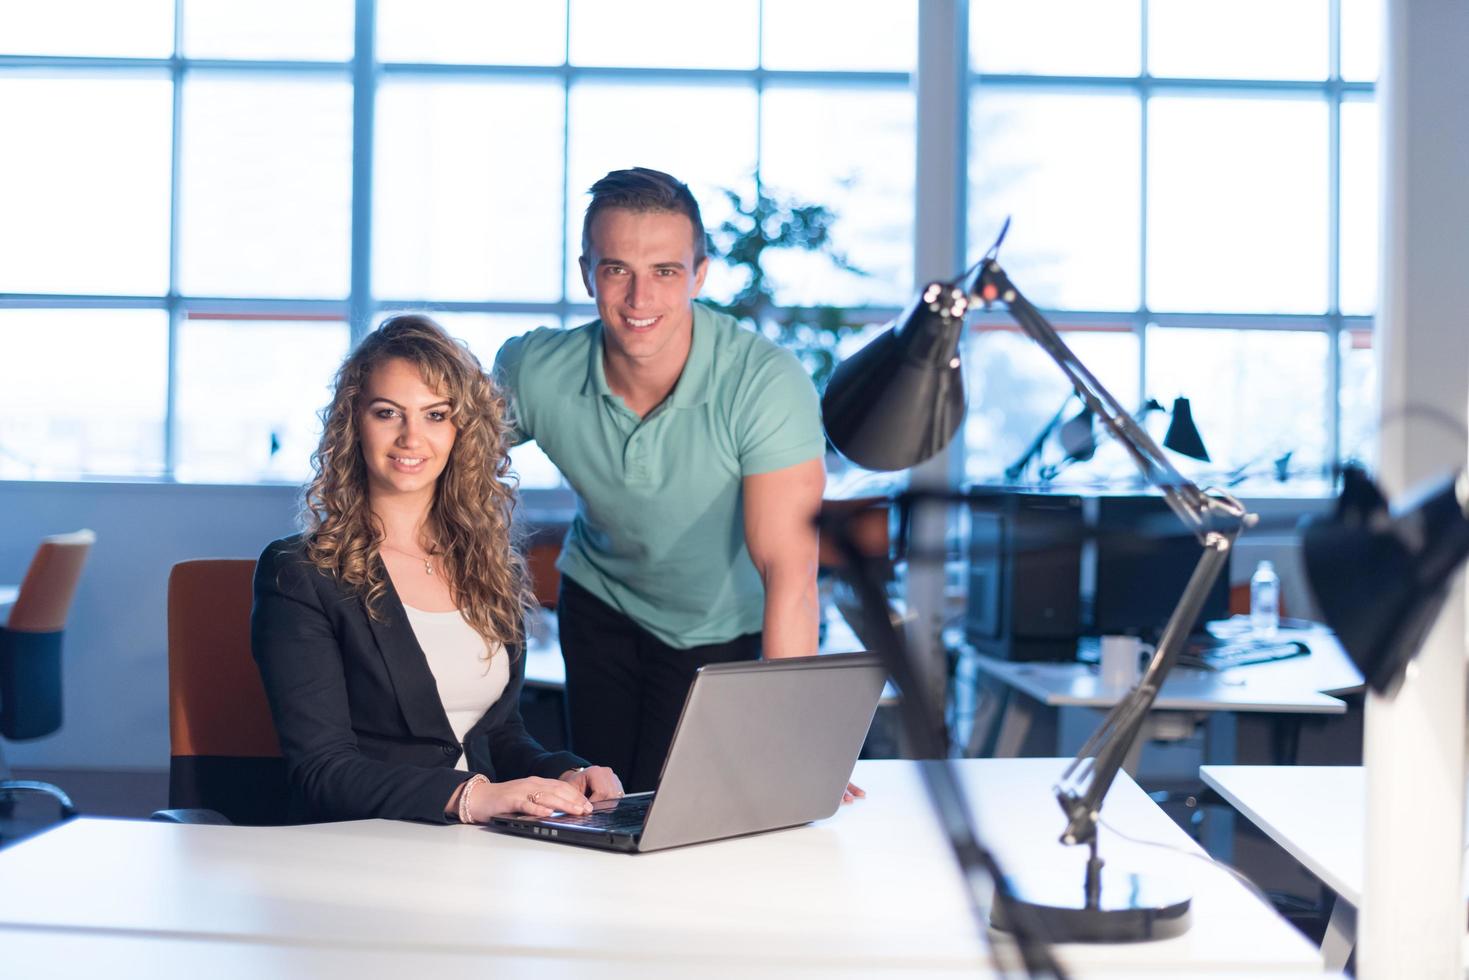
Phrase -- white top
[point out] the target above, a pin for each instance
(468, 684)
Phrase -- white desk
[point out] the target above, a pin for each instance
(873, 891)
(1299, 685)
(8, 594)
(544, 667)
(1318, 814)
(41, 954)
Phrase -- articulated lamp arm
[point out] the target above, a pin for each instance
(988, 283)
(1215, 518)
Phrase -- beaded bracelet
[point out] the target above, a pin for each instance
(469, 784)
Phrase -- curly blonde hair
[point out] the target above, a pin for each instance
(473, 503)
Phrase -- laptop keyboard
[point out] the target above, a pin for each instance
(626, 814)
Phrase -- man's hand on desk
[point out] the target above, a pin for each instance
(852, 792)
(595, 782)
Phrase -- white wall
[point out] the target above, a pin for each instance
(115, 685)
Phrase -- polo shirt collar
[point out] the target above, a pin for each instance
(693, 384)
(596, 383)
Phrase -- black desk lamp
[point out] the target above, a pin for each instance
(1079, 442)
(1183, 435)
(880, 415)
(1379, 577)
(1076, 435)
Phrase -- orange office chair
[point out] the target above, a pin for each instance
(545, 577)
(867, 520)
(30, 652)
(1239, 600)
(225, 762)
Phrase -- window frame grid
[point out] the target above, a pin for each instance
(1332, 90)
(360, 307)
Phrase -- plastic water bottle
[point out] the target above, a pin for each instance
(1265, 601)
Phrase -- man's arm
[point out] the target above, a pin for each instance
(780, 531)
(506, 375)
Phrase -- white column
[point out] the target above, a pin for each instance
(1412, 921)
(938, 231)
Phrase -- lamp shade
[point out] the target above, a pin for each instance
(899, 400)
(1078, 436)
(1380, 578)
(1183, 436)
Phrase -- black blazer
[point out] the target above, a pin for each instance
(357, 709)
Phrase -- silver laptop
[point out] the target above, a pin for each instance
(760, 745)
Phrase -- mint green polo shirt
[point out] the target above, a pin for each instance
(659, 529)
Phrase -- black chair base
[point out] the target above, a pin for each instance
(10, 787)
(192, 816)
(245, 789)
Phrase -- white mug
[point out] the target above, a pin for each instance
(1121, 661)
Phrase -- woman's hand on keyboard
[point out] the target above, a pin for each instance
(533, 795)
(596, 783)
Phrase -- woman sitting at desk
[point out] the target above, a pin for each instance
(389, 634)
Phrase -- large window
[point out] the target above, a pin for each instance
(214, 200)
(1194, 200)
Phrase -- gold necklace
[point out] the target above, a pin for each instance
(428, 568)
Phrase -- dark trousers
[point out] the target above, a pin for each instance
(625, 687)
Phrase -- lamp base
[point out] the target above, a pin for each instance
(1127, 908)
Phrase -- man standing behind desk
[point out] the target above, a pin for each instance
(696, 452)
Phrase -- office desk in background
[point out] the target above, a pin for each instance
(1019, 701)
(871, 892)
(546, 671)
(1318, 814)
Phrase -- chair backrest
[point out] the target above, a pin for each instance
(867, 524)
(1239, 601)
(545, 577)
(224, 754)
(30, 640)
(50, 583)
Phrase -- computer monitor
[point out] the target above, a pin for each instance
(1025, 552)
(1144, 557)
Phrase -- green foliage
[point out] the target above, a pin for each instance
(766, 222)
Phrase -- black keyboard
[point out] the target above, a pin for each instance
(1242, 653)
(628, 814)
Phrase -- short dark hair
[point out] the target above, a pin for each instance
(640, 190)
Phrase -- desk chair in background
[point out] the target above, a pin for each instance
(225, 762)
(30, 654)
(867, 521)
(541, 553)
(1239, 600)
